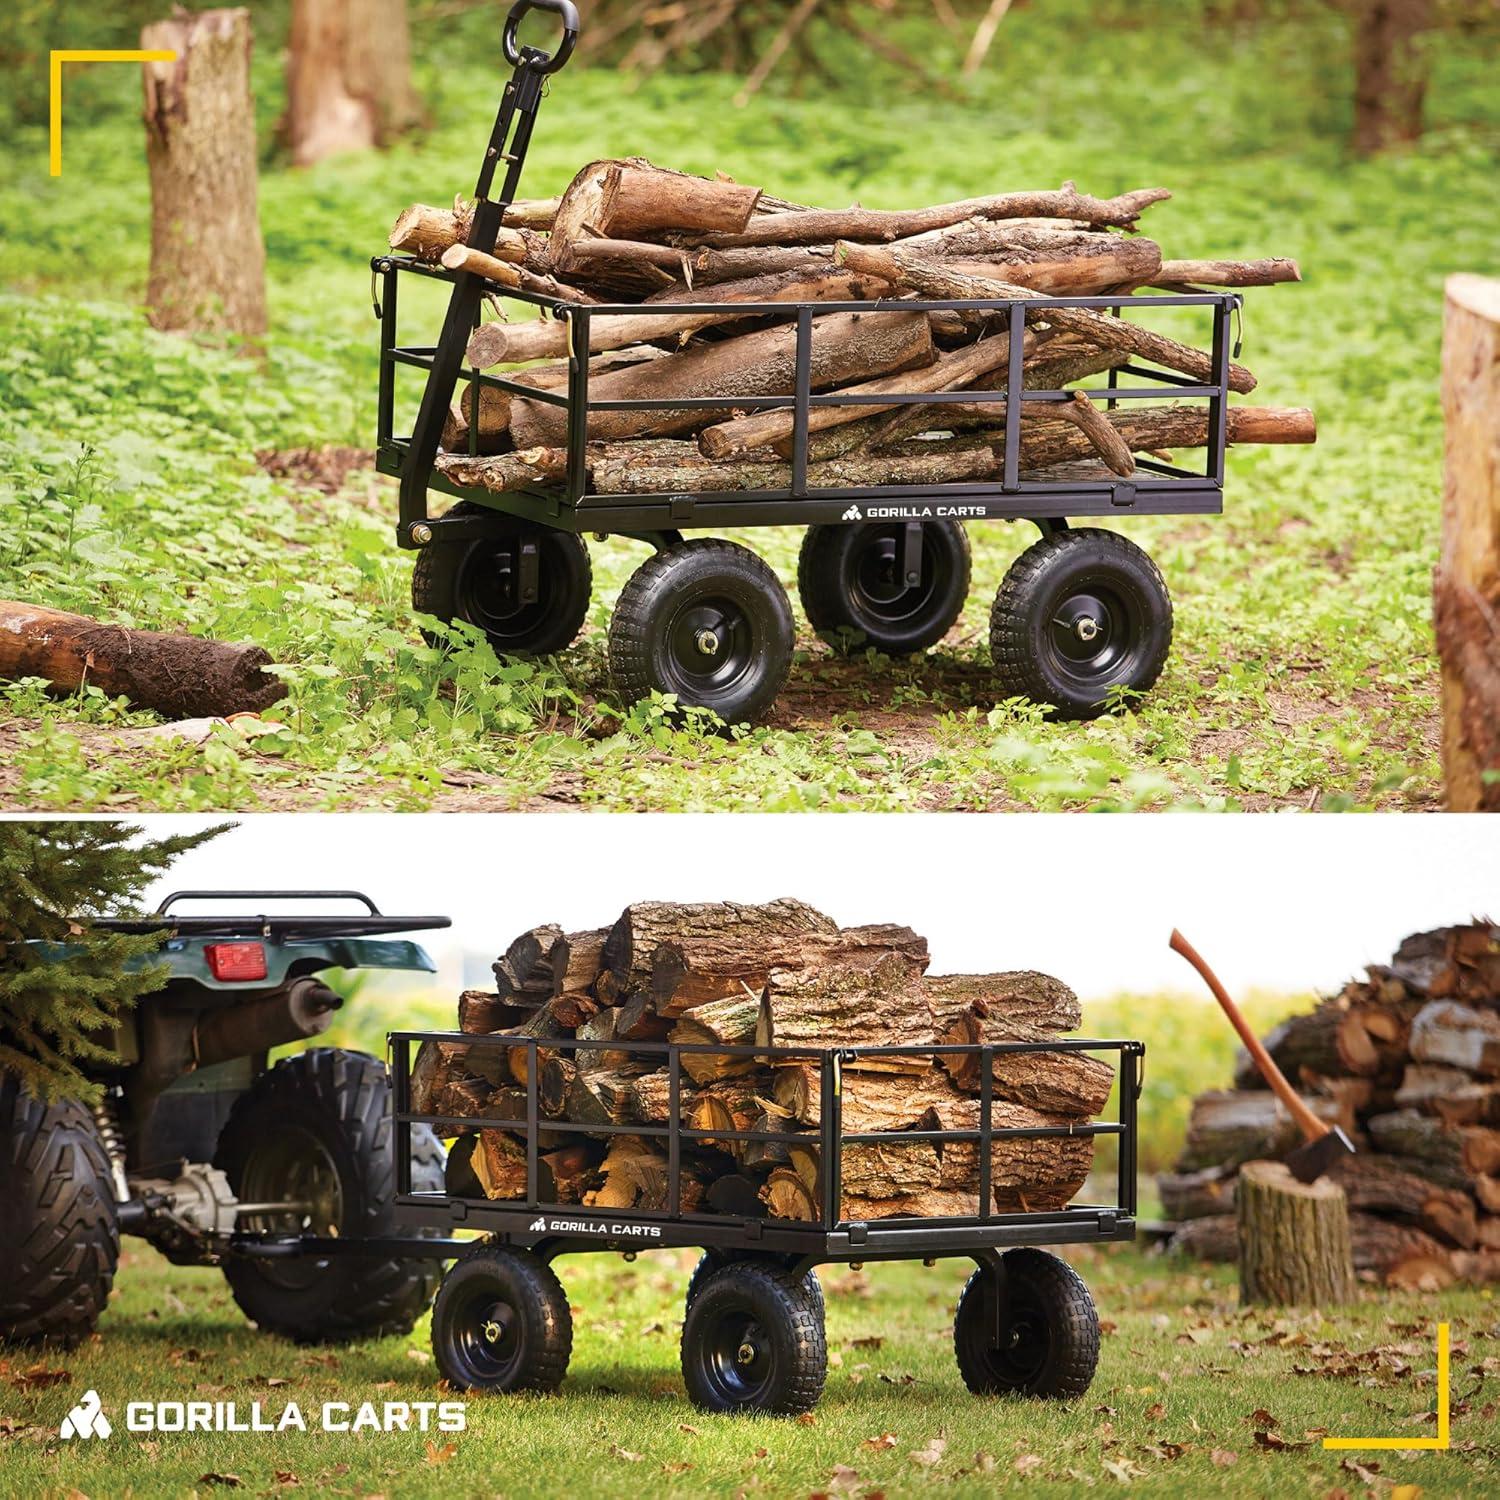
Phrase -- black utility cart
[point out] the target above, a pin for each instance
(753, 1337)
(1081, 619)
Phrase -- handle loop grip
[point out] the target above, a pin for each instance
(565, 10)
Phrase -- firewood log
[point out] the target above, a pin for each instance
(846, 348)
(1027, 1174)
(1196, 1195)
(176, 676)
(623, 199)
(934, 279)
(1214, 1237)
(563, 1174)
(598, 1097)
(1329, 1040)
(499, 343)
(1178, 273)
(871, 1101)
(527, 962)
(732, 1022)
(646, 926)
(430, 1071)
(1227, 1128)
(1380, 1184)
(819, 226)
(499, 1162)
(1003, 1001)
(576, 961)
(482, 1011)
(1487, 1190)
(699, 967)
(604, 1027)
(1458, 1036)
(1454, 1154)
(426, 231)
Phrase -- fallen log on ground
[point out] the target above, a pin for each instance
(176, 676)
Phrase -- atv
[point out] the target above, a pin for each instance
(216, 1157)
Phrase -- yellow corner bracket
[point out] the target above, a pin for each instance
(57, 60)
(1440, 1440)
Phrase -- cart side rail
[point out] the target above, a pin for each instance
(830, 1140)
(1013, 316)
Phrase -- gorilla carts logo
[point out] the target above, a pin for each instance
(853, 514)
(540, 1224)
(87, 1420)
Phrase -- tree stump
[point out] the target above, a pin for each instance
(208, 262)
(1467, 586)
(1294, 1239)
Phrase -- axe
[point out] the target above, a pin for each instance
(1325, 1145)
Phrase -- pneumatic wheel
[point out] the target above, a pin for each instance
(708, 1264)
(1047, 1340)
(501, 1323)
(315, 1133)
(1080, 615)
(705, 620)
(753, 1341)
(59, 1235)
(481, 582)
(853, 582)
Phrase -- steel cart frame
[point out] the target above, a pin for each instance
(1124, 622)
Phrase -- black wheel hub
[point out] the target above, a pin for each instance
(487, 1331)
(296, 1168)
(710, 643)
(491, 592)
(1025, 1342)
(1094, 633)
(739, 1357)
(880, 586)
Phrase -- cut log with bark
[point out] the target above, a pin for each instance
(731, 1022)
(1294, 1239)
(176, 676)
(1232, 1127)
(207, 256)
(1458, 1036)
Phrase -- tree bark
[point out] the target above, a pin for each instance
(1467, 586)
(480, 1011)
(348, 77)
(731, 1022)
(846, 348)
(1329, 1040)
(176, 676)
(1294, 1239)
(425, 231)
(208, 261)
(1453, 1154)
(577, 959)
(1378, 1184)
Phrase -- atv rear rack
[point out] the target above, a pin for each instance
(280, 926)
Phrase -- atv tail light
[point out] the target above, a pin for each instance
(237, 960)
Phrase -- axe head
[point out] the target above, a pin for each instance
(1309, 1162)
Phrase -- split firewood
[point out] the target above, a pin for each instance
(1227, 1128)
(176, 676)
(527, 963)
(427, 232)
(1459, 1036)
(481, 1011)
(576, 960)
(731, 1022)
(1197, 1195)
(1454, 1154)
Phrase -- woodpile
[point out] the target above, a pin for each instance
(775, 976)
(626, 231)
(1407, 1060)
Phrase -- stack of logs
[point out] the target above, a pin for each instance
(628, 231)
(1407, 1060)
(780, 975)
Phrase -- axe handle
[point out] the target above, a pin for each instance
(1307, 1122)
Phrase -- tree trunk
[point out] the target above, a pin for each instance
(1294, 1239)
(348, 77)
(1467, 586)
(208, 262)
(176, 676)
(1390, 72)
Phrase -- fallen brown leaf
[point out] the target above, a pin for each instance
(440, 1455)
(1223, 1457)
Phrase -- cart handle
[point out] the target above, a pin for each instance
(541, 61)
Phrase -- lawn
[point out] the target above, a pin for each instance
(1303, 674)
(1193, 1397)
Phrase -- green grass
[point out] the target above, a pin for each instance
(1303, 673)
(1184, 1375)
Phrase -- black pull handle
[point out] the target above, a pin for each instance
(544, 63)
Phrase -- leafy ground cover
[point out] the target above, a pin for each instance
(1194, 1396)
(1303, 674)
